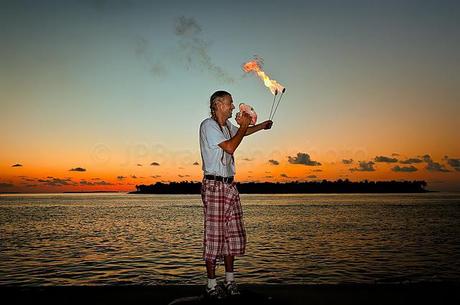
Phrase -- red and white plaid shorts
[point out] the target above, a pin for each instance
(224, 232)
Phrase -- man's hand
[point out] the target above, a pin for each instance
(267, 124)
(243, 119)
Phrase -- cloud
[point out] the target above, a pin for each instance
(411, 161)
(195, 49)
(156, 176)
(85, 182)
(77, 169)
(395, 155)
(312, 176)
(284, 175)
(273, 162)
(385, 159)
(434, 166)
(56, 181)
(455, 163)
(6, 184)
(103, 183)
(268, 176)
(247, 159)
(196, 163)
(347, 161)
(317, 170)
(364, 167)
(134, 176)
(303, 158)
(406, 169)
(16, 165)
(121, 177)
(427, 158)
(155, 164)
(138, 164)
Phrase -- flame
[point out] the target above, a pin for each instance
(256, 67)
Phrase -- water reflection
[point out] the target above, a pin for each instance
(105, 239)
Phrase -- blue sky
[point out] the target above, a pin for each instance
(363, 77)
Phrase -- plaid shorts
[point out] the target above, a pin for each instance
(224, 232)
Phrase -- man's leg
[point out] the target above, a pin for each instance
(229, 261)
(211, 269)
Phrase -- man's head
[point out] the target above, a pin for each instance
(221, 104)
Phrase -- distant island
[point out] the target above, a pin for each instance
(325, 186)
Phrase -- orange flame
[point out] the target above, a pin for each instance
(256, 67)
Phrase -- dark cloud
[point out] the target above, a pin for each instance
(95, 178)
(347, 161)
(247, 159)
(195, 49)
(155, 164)
(121, 177)
(183, 176)
(426, 158)
(455, 163)
(103, 183)
(284, 175)
(312, 176)
(385, 159)
(196, 163)
(436, 167)
(156, 176)
(303, 158)
(395, 155)
(138, 164)
(433, 166)
(411, 161)
(77, 169)
(364, 167)
(16, 165)
(317, 170)
(6, 184)
(406, 169)
(134, 176)
(268, 176)
(85, 182)
(273, 162)
(57, 181)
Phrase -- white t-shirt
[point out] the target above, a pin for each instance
(211, 153)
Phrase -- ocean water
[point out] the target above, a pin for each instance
(123, 239)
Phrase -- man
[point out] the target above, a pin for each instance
(224, 232)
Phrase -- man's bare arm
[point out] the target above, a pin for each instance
(260, 126)
(230, 145)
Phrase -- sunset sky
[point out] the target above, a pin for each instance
(104, 95)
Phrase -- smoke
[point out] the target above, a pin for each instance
(145, 53)
(194, 48)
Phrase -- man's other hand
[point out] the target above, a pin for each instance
(243, 119)
(267, 124)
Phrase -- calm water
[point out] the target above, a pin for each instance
(105, 239)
